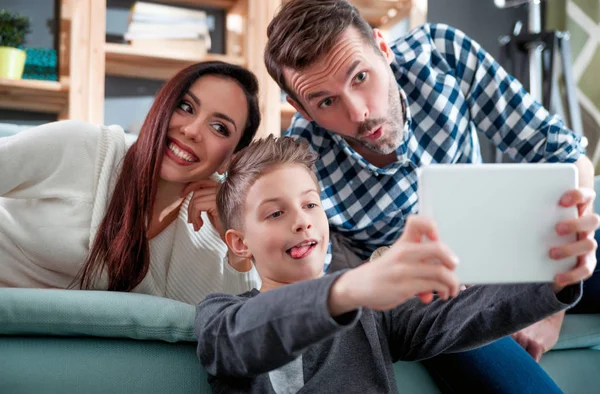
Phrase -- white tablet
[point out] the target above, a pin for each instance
(500, 219)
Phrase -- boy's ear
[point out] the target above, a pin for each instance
(235, 240)
(298, 108)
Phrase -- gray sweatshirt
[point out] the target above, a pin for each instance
(285, 341)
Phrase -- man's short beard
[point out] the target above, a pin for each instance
(393, 127)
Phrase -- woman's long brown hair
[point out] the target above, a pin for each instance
(121, 247)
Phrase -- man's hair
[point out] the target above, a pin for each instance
(303, 31)
(251, 163)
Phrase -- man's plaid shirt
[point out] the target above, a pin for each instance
(452, 88)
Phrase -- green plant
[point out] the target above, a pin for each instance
(13, 29)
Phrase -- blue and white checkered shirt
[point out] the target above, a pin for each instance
(451, 88)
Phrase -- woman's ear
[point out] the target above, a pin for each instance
(235, 240)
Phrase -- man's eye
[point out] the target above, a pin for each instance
(326, 103)
(360, 77)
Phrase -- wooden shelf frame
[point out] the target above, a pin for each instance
(287, 112)
(127, 61)
(85, 58)
(33, 95)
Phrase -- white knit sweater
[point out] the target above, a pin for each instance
(55, 184)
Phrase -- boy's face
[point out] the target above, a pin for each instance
(285, 227)
(352, 92)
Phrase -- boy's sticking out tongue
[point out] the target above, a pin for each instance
(301, 250)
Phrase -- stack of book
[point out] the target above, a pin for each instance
(164, 30)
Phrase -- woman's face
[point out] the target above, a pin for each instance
(204, 130)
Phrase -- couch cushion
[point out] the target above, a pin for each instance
(579, 331)
(95, 313)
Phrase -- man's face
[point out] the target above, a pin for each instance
(285, 227)
(352, 92)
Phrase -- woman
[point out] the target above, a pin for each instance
(79, 209)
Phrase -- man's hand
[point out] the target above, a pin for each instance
(407, 269)
(540, 337)
(584, 248)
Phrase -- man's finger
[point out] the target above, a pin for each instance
(521, 339)
(583, 224)
(535, 350)
(582, 271)
(574, 249)
(573, 197)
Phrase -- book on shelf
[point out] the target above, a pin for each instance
(150, 12)
(163, 30)
(193, 49)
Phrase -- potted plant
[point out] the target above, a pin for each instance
(13, 29)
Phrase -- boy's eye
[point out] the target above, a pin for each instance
(185, 106)
(360, 77)
(275, 214)
(326, 103)
(311, 205)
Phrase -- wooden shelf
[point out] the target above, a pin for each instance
(127, 61)
(287, 112)
(225, 4)
(33, 95)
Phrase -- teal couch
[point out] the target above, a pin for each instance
(64, 341)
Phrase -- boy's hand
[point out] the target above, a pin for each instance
(584, 248)
(407, 269)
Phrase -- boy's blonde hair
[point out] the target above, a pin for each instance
(251, 163)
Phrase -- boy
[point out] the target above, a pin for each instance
(303, 330)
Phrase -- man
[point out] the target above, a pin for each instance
(375, 113)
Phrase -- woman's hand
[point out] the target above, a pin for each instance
(204, 199)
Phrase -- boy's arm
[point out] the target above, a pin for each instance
(477, 316)
(240, 336)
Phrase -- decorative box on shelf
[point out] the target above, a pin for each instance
(40, 64)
